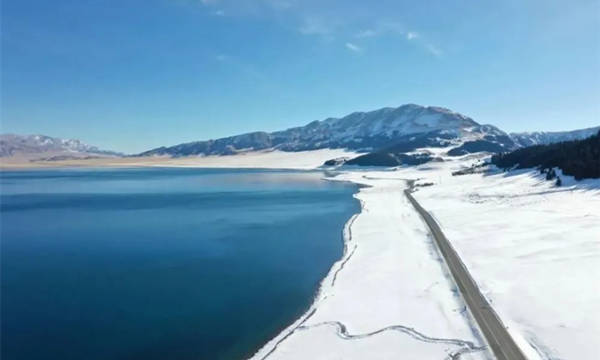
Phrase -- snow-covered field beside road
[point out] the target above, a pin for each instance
(532, 247)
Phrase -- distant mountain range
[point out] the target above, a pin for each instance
(544, 138)
(48, 148)
(387, 135)
(409, 126)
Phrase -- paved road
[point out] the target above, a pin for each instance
(502, 344)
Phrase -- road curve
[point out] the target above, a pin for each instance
(502, 344)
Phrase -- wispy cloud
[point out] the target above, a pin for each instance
(316, 26)
(366, 33)
(412, 35)
(397, 29)
(353, 47)
(238, 8)
(434, 50)
(323, 23)
(387, 28)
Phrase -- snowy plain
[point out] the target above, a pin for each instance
(533, 248)
(265, 159)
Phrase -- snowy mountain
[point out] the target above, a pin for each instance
(408, 127)
(578, 158)
(491, 140)
(543, 137)
(12, 145)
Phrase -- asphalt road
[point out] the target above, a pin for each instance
(501, 343)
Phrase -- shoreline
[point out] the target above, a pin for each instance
(332, 273)
(375, 280)
(274, 159)
(333, 232)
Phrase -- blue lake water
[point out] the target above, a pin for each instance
(161, 263)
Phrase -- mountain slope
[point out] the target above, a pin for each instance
(409, 126)
(46, 147)
(543, 137)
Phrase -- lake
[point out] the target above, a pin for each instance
(162, 263)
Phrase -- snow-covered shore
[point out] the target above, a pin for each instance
(266, 159)
(388, 295)
(533, 248)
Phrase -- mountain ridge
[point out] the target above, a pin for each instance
(385, 131)
(549, 137)
(42, 145)
(362, 131)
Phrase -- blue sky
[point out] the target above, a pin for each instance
(132, 75)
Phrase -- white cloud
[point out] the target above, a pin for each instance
(411, 35)
(353, 47)
(219, 13)
(387, 27)
(434, 50)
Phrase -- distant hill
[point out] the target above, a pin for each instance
(41, 147)
(578, 158)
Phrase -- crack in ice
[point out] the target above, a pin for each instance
(342, 332)
(342, 265)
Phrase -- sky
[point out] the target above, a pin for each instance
(133, 75)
